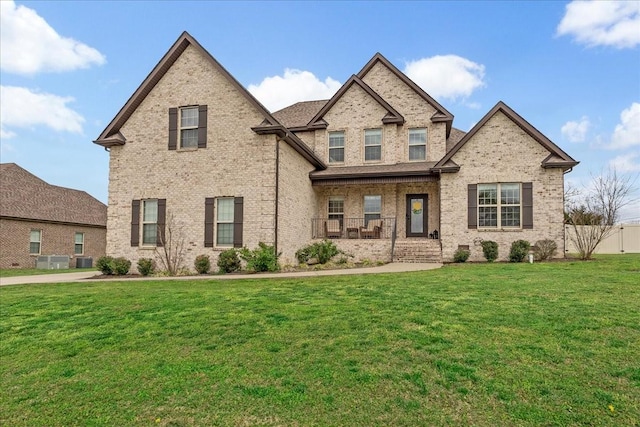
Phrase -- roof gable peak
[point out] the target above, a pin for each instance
(108, 136)
(392, 115)
(556, 158)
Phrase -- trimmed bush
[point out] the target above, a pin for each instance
(519, 250)
(146, 266)
(490, 250)
(202, 264)
(544, 249)
(322, 251)
(121, 266)
(461, 255)
(105, 264)
(263, 258)
(229, 261)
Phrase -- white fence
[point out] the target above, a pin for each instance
(624, 239)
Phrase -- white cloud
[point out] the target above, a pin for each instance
(281, 91)
(602, 23)
(22, 108)
(446, 76)
(29, 45)
(576, 131)
(626, 162)
(627, 132)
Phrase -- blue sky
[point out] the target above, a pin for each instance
(572, 69)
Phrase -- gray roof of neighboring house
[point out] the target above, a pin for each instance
(25, 196)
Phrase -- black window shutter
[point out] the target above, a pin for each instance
(527, 205)
(162, 218)
(135, 222)
(237, 222)
(472, 206)
(202, 126)
(173, 128)
(208, 222)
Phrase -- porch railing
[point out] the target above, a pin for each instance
(353, 228)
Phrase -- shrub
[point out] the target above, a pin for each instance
(229, 261)
(544, 249)
(519, 250)
(105, 264)
(263, 258)
(322, 251)
(490, 250)
(146, 266)
(202, 264)
(121, 266)
(461, 255)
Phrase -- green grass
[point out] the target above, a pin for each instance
(14, 272)
(551, 344)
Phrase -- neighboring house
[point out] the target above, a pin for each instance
(378, 168)
(37, 218)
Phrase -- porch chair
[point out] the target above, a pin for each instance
(332, 229)
(372, 230)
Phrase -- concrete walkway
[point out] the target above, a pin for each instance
(85, 276)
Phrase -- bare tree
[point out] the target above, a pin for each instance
(172, 249)
(593, 212)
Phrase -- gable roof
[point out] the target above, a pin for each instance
(111, 135)
(441, 114)
(392, 115)
(25, 196)
(556, 159)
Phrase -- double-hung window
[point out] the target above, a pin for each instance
(336, 208)
(78, 248)
(35, 238)
(417, 144)
(499, 205)
(150, 222)
(224, 221)
(336, 147)
(189, 127)
(372, 208)
(372, 144)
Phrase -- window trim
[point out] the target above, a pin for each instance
(39, 241)
(412, 130)
(498, 205)
(342, 133)
(182, 127)
(75, 243)
(366, 131)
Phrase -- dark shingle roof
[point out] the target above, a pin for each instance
(299, 114)
(398, 169)
(454, 137)
(24, 195)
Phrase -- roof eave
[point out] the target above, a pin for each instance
(295, 143)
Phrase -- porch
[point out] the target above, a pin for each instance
(353, 228)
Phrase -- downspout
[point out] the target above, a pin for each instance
(275, 243)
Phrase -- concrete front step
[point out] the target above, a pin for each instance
(417, 250)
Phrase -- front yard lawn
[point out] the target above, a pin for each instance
(554, 344)
(14, 272)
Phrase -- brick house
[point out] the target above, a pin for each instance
(378, 168)
(37, 218)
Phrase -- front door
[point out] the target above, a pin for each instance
(417, 215)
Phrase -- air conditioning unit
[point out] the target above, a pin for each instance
(84, 262)
(52, 262)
